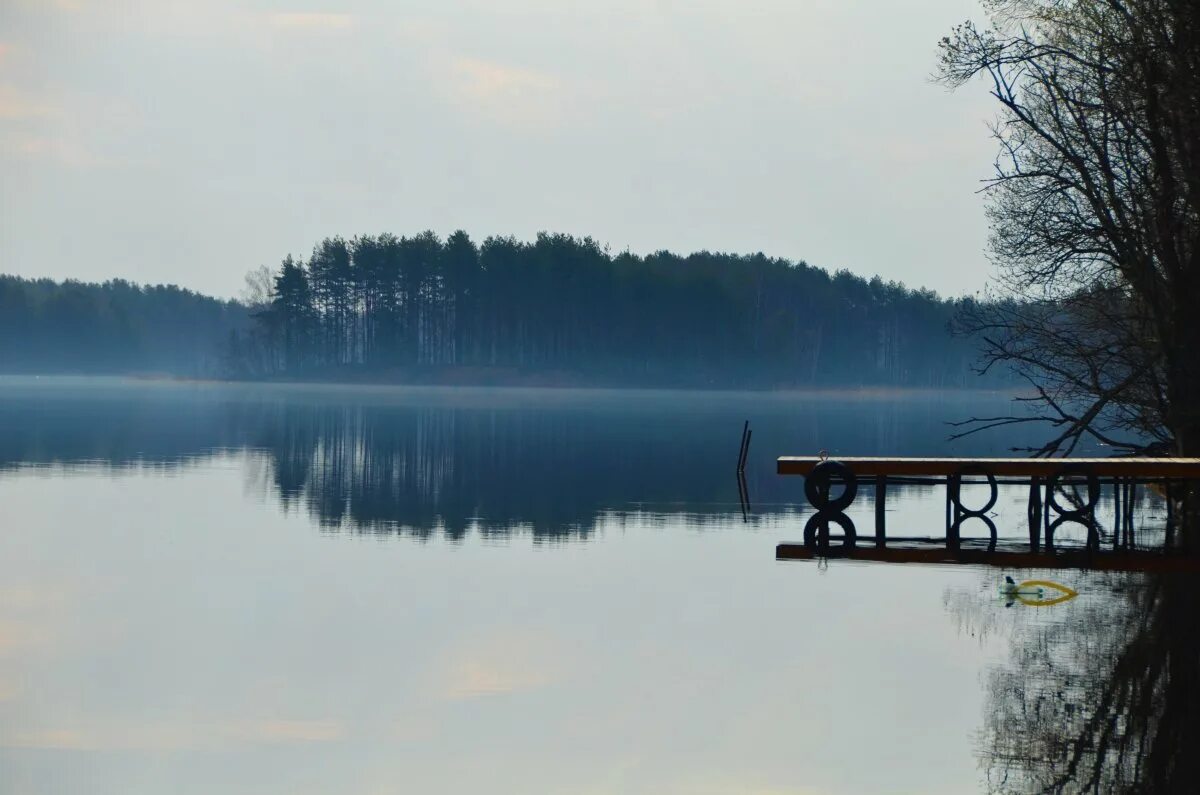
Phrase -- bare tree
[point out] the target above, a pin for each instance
(259, 289)
(253, 352)
(1094, 209)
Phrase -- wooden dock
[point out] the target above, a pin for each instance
(1061, 490)
(1142, 468)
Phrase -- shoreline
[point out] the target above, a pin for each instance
(847, 391)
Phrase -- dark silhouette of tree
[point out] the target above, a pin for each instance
(461, 277)
(564, 305)
(330, 280)
(1095, 212)
(292, 319)
(117, 326)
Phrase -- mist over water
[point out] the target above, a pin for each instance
(438, 458)
(208, 587)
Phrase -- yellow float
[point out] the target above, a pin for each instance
(1035, 592)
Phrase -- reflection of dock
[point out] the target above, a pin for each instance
(1009, 555)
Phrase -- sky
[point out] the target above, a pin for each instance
(189, 141)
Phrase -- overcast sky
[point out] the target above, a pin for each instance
(188, 141)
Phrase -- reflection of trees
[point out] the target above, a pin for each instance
(423, 469)
(1103, 696)
(417, 466)
(555, 463)
(98, 426)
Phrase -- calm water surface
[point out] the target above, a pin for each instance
(299, 589)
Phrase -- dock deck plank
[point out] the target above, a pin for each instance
(1025, 467)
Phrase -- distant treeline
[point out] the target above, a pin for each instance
(383, 304)
(49, 327)
(560, 308)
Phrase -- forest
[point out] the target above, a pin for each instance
(380, 306)
(556, 310)
(114, 327)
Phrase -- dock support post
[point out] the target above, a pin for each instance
(951, 515)
(1046, 516)
(1034, 512)
(880, 518)
(949, 522)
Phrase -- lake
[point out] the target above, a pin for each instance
(243, 588)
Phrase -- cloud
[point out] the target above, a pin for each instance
(172, 736)
(513, 96)
(14, 106)
(477, 678)
(56, 5)
(16, 637)
(488, 80)
(293, 731)
(56, 149)
(61, 739)
(308, 20)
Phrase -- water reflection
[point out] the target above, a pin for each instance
(163, 633)
(426, 462)
(1100, 694)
